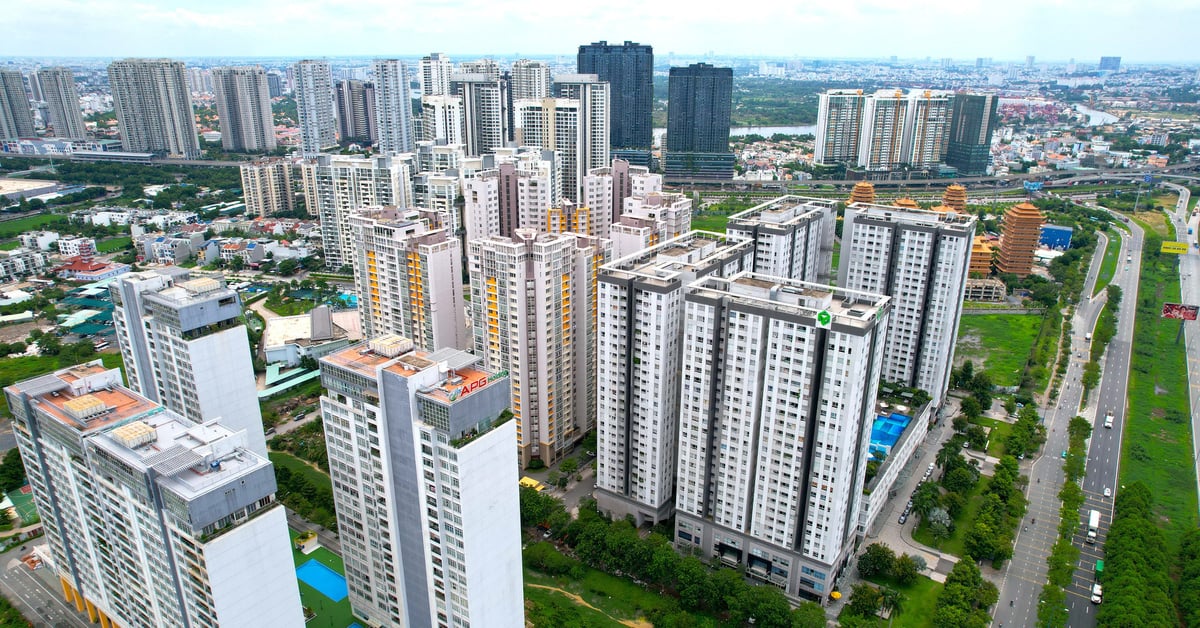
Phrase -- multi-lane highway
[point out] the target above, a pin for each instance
(1026, 572)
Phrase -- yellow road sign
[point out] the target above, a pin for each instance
(1178, 248)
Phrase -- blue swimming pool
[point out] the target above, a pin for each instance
(330, 583)
(886, 430)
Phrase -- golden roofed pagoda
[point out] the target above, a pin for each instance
(863, 192)
(956, 197)
(906, 203)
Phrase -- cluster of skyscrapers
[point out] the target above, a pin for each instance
(890, 131)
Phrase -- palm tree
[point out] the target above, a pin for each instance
(892, 599)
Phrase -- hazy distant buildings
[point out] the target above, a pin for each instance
(16, 118)
(356, 117)
(972, 123)
(244, 108)
(839, 126)
(393, 106)
(313, 90)
(629, 70)
(435, 70)
(421, 455)
(698, 115)
(530, 79)
(57, 85)
(267, 187)
(1110, 64)
(777, 400)
(154, 107)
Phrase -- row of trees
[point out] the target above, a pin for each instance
(618, 548)
(965, 598)
(959, 478)
(1137, 587)
(1189, 579)
(991, 535)
(1106, 328)
(1028, 433)
(880, 561)
(1052, 611)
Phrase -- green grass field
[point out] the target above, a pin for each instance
(999, 342)
(296, 465)
(999, 432)
(710, 223)
(1108, 266)
(1157, 447)
(962, 523)
(920, 598)
(549, 609)
(329, 614)
(10, 245)
(13, 228)
(113, 244)
(291, 307)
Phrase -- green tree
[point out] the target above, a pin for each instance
(905, 571)
(877, 560)
(971, 408)
(925, 499)
(12, 471)
(865, 600)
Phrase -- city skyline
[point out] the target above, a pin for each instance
(1139, 34)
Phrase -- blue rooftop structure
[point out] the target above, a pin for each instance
(1056, 237)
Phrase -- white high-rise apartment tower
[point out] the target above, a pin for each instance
(58, 88)
(793, 236)
(421, 454)
(650, 219)
(154, 107)
(885, 126)
(485, 112)
(313, 89)
(530, 79)
(244, 108)
(928, 128)
(16, 117)
(267, 187)
(393, 106)
(516, 189)
(533, 314)
(776, 406)
(580, 133)
(921, 259)
(185, 348)
(442, 119)
(152, 520)
(336, 185)
(839, 126)
(641, 326)
(409, 279)
(605, 188)
(436, 69)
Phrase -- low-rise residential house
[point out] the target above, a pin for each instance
(21, 263)
(40, 240)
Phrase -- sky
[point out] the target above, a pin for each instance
(1051, 30)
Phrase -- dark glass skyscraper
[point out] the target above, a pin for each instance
(629, 71)
(971, 127)
(701, 97)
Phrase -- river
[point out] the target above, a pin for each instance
(1096, 118)
(765, 131)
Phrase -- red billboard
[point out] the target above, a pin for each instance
(1180, 311)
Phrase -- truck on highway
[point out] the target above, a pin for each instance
(1108, 419)
(1093, 525)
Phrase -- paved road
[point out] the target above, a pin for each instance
(1025, 574)
(37, 594)
(328, 539)
(1104, 447)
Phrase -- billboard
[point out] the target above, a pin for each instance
(1180, 311)
(1178, 248)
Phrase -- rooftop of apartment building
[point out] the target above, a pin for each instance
(667, 260)
(944, 219)
(852, 308)
(193, 291)
(86, 398)
(782, 210)
(396, 354)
